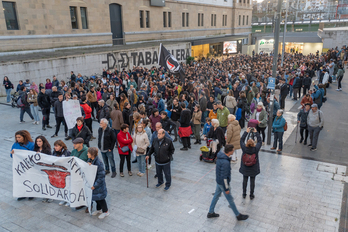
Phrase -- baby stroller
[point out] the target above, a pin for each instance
(207, 153)
(14, 99)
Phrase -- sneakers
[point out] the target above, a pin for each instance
(213, 215)
(252, 196)
(34, 123)
(140, 174)
(166, 188)
(242, 217)
(158, 185)
(62, 203)
(313, 149)
(130, 173)
(53, 136)
(233, 161)
(48, 126)
(273, 148)
(309, 145)
(43, 128)
(149, 167)
(113, 175)
(68, 138)
(103, 215)
(184, 149)
(121, 174)
(95, 213)
(46, 200)
(21, 122)
(107, 172)
(37, 123)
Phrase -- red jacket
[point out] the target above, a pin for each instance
(123, 141)
(87, 109)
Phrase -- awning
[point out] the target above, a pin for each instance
(293, 37)
(217, 39)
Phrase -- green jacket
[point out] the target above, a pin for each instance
(262, 118)
(222, 116)
(81, 154)
(340, 72)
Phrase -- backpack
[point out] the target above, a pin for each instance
(249, 159)
(286, 126)
(20, 103)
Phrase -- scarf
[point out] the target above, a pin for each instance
(258, 110)
(79, 127)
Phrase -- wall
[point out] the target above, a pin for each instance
(248, 49)
(333, 37)
(88, 65)
(312, 48)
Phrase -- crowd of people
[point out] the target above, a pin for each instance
(140, 109)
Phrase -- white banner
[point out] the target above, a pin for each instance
(71, 110)
(59, 178)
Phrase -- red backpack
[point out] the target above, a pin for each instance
(249, 159)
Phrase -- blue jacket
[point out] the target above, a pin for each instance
(278, 124)
(318, 94)
(160, 106)
(217, 91)
(100, 191)
(21, 146)
(223, 170)
(206, 128)
(275, 107)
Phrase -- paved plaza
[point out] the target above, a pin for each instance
(291, 193)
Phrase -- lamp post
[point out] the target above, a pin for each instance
(284, 32)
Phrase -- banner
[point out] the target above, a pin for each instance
(71, 110)
(167, 60)
(66, 179)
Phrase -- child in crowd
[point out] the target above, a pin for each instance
(207, 126)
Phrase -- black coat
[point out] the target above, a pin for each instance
(302, 117)
(185, 118)
(85, 133)
(125, 114)
(43, 100)
(109, 138)
(255, 169)
(104, 112)
(217, 134)
(175, 115)
(58, 109)
(306, 82)
(168, 124)
(284, 90)
(163, 153)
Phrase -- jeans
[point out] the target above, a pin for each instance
(333, 77)
(278, 136)
(141, 163)
(160, 169)
(35, 111)
(23, 110)
(252, 184)
(45, 116)
(220, 189)
(314, 135)
(296, 92)
(109, 156)
(204, 115)
(8, 94)
(291, 89)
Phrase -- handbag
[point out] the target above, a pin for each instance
(140, 151)
(125, 148)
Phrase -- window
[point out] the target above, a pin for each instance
(183, 19)
(243, 1)
(199, 19)
(164, 19)
(202, 19)
(73, 16)
(169, 19)
(239, 19)
(224, 20)
(147, 19)
(247, 22)
(214, 19)
(187, 19)
(83, 11)
(141, 17)
(243, 19)
(10, 15)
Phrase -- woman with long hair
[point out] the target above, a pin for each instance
(142, 142)
(123, 100)
(196, 120)
(250, 166)
(8, 86)
(48, 84)
(42, 145)
(34, 108)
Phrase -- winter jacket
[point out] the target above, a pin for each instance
(185, 118)
(58, 109)
(20, 146)
(87, 109)
(305, 100)
(163, 152)
(122, 104)
(104, 112)
(255, 169)
(203, 104)
(233, 134)
(230, 102)
(43, 100)
(206, 128)
(315, 119)
(196, 117)
(218, 134)
(124, 139)
(212, 114)
(81, 154)
(85, 133)
(223, 170)
(62, 153)
(175, 115)
(32, 99)
(109, 139)
(302, 117)
(307, 82)
(222, 116)
(141, 140)
(278, 124)
(92, 97)
(318, 96)
(117, 119)
(168, 124)
(154, 120)
(326, 78)
(297, 83)
(54, 97)
(99, 192)
(160, 105)
(263, 118)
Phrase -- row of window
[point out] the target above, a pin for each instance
(244, 22)
(245, 1)
(9, 9)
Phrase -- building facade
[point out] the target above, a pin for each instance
(42, 24)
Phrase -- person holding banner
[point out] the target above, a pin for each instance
(99, 187)
(23, 142)
(58, 113)
(42, 145)
(60, 149)
(81, 131)
(80, 150)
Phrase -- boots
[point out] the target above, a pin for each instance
(196, 142)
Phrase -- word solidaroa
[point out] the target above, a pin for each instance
(59, 178)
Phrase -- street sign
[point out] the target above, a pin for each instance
(271, 83)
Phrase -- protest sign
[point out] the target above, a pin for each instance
(59, 178)
(71, 110)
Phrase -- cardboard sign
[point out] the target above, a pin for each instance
(71, 110)
(66, 179)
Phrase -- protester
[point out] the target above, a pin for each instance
(60, 149)
(92, 98)
(261, 116)
(104, 111)
(207, 126)
(80, 130)
(196, 120)
(58, 113)
(25, 107)
(43, 101)
(125, 148)
(106, 144)
(167, 124)
(154, 118)
(278, 129)
(216, 133)
(315, 122)
(142, 142)
(42, 145)
(233, 136)
(185, 128)
(302, 120)
(222, 115)
(340, 74)
(99, 187)
(250, 164)
(80, 149)
(223, 178)
(32, 99)
(117, 118)
(8, 87)
(230, 102)
(163, 150)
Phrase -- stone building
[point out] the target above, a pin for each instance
(42, 24)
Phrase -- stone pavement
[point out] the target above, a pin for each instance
(292, 194)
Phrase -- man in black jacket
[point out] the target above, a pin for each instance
(176, 111)
(106, 144)
(163, 150)
(167, 124)
(104, 111)
(43, 100)
(58, 113)
(26, 106)
(306, 84)
(185, 120)
(283, 93)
